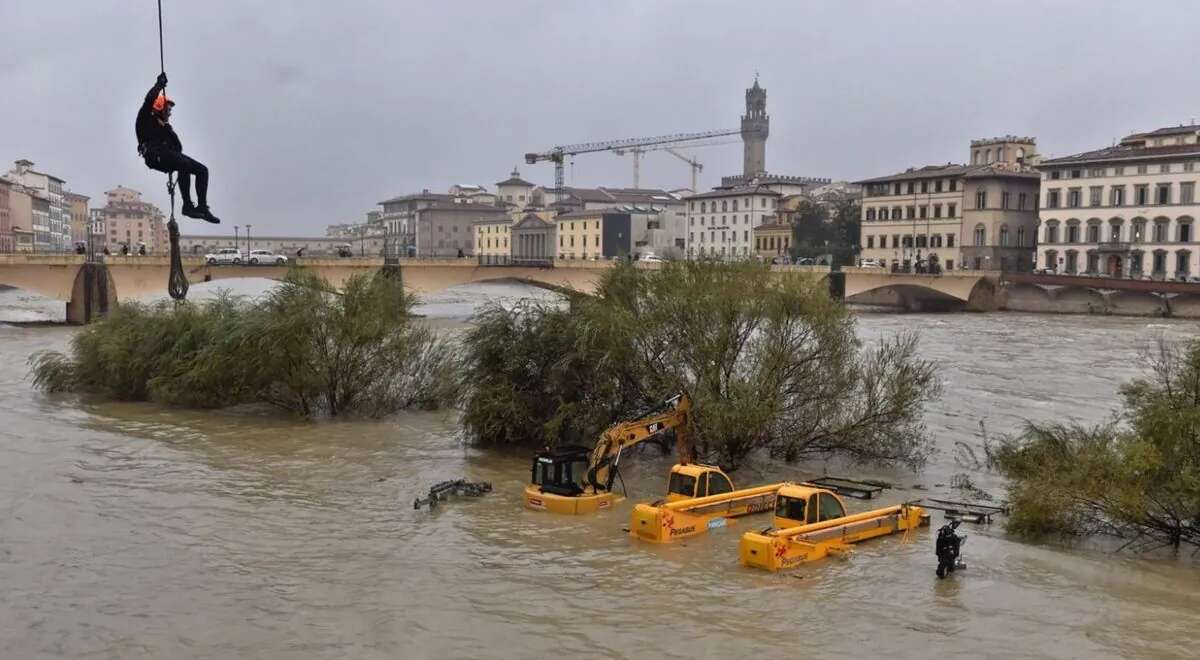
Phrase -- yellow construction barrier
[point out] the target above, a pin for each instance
(672, 521)
(778, 549)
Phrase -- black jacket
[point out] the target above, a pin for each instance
(152, 133)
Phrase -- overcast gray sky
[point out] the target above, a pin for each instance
(308, 112)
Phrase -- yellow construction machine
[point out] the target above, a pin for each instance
(811, 523)
(573, 479)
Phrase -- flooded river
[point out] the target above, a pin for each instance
(131, 530)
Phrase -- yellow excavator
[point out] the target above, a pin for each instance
(573, 479)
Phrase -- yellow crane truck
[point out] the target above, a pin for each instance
(811, 523)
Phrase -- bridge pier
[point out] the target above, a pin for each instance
(93, 294)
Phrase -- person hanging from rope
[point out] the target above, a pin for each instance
(160, 147)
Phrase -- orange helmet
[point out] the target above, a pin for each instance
(162, 102)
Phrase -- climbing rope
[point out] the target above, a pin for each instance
(177, 283)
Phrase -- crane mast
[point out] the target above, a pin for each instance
(558, 154)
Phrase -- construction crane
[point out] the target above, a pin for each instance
(557, 155)
(637, 152)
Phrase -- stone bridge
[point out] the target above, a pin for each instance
(973, 290)
(1082, 294)
(91, 289)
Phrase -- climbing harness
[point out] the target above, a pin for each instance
(177, 283)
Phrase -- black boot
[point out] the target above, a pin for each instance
(203, 213)
(189, 209)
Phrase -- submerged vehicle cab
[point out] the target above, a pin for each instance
(802, 505)
(696, 480)
(561, 470)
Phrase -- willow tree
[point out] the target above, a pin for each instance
(1137, 478)
(770, 362)
(303, 347)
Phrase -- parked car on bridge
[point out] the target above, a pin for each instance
(224, 256)
(267, 257)
(871, 263)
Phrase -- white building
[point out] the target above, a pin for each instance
(51, 213)
(1124, 211)
(720, 223)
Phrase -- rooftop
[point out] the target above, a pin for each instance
(1135, 147)
(604, 195)
(734, 192)
(773, 226)
(515, 181)
(424, 195)
(1124, 152)
(953, 170)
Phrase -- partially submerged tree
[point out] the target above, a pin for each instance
(770, 362)
(303, 348)
(1137, 478)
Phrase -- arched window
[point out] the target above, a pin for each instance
(1161, 227)
(702, 209)
(1020, 155)
(1052, 231)
(1020, 237)
(1137, 233)
(724, 205)
(1093, 231)
(980, 235)
(1072, 265)
(1003, 235)
(1183, 230)
(1115, 225)
(1051, 259)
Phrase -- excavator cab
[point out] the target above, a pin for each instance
(696, 480)
(561, 470)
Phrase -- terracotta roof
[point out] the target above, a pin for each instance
(734, 192)
(423, 196)
(582, 214)
(927, 172)
(772, 226)
(620, 195)
(1174, 130)
(952, 170)
(465, 208)
(515, 181)
(989, 171)
(1125, 152)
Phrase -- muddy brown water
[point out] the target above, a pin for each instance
(132, 530)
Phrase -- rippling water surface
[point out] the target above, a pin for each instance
(132, 530)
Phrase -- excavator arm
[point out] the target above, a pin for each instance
(606, 456)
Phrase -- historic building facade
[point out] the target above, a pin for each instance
(1128, 210)
(981, 216)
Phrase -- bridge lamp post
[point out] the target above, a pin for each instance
(247, 240)
(237, 238)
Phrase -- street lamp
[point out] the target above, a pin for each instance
(248, 246)
(237, 240)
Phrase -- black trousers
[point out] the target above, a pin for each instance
(167, 160)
